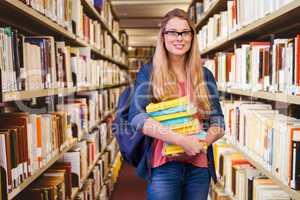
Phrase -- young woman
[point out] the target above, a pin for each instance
(176, 71)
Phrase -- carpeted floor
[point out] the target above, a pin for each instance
(129, 186)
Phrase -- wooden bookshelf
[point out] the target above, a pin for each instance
(23, 95)
(293, 193)
(26, 18)
(83, 180)
(92, 10)
(277, 20)
(215, 7)
(91, 168)
(281, 97)
(114, 86)
(22, 12)
(32, 178)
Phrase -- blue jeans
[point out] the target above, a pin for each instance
(178, 181)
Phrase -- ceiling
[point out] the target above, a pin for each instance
(141, 18)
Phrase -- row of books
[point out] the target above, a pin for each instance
(70, 15)
(239, 13)
(198, 8)
(119, 54)
(105, 10)
(62, 179)
(269, 137)
(240, 180)
(141, 52)
(89, 108)
(109, 99)
(28, 142)
(58, 11)
(38, 62)
(273, 67)
(124, 38)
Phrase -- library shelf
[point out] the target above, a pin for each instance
(109, 58)
(83, 180)
(276, 20)
(26, 17)
(76, 190)
(105, 87)
(293, 193)
(214, 8)
(92, 10)
(280, 97)
(23, 12)
(22, 95)
(29, 180)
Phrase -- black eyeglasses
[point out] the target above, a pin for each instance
(175, 34)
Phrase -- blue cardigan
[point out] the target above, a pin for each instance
(137, 116)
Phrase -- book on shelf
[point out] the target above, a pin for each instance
(39, 62)
(238, 14)
(260, 66)
(70, 15)
(25, 153)
(273, 142)
(240, 179)
(46, 187)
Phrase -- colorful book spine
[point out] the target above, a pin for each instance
(177, 115)
(170, 149)
(153, 107)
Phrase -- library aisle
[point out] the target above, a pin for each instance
(65, 63)
(129, 186)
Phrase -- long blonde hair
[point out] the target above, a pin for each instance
(163, 79)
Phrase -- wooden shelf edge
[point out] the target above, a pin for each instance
(279, 97)
(259, 23)
(293, 193)
(22, 95)
(32, 178)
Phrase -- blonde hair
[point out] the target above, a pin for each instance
(163, 79)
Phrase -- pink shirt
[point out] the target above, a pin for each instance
(199, 160)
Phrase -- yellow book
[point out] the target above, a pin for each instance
(188, 130)
(153, 107)
(173, 149)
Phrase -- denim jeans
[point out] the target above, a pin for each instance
(178, 181)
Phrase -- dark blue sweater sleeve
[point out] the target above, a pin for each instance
(140, 99)
(216, 117)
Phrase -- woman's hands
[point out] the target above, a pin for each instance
(191, 144)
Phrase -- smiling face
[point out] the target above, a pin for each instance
(177, 36)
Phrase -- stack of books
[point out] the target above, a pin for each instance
(178, 115)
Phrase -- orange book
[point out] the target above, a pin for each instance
(39, 139)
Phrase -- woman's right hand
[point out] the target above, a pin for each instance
(191, 144)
